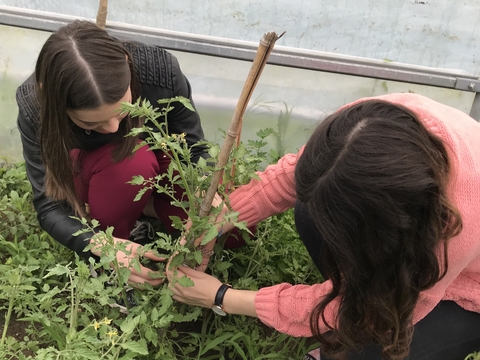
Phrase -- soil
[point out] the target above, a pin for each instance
(16, 328)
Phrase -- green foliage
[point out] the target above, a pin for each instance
(17, 215)
(65, 310)
(193, 178)
(280, 133)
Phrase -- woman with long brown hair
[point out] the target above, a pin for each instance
(387, 196)
(74, 136)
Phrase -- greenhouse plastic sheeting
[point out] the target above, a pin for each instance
(297, 98)
(434, 33)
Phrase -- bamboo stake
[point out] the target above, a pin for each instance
(230, 186)
(102, 14)
(264, 49)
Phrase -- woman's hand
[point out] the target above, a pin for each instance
(202, 293)
(134, 250)
(204, 290)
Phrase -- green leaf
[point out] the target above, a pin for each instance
(14, 278)
(154, 315)
(14, 195)
(129, 355)
(214, 151)
(198, 257)
(165, 302)
(177, 260)
(185, 281)
(136, 131)
(139, 347)
(27, 288)
(177, 223)
(242, 226)
(185, 102)
(164, 321)
(263, 133)
(129, 325)
(210, 235)
(202, 163)
(223, 265)
(57, 270)
(137, 180)
(86, 353)
(136, 265)
(151, 336)
(215, 342)
(239, 350)
(196, 312)
(123, 275)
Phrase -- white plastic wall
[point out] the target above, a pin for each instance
(434, 33)
(301, 97)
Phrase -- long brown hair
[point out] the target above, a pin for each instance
(79, 67)
(374, 181)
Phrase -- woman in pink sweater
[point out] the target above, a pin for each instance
(387, 201)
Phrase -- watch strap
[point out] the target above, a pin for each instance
(221, 294)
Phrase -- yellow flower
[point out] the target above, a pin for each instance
(107, 321)
(96, 325)
(112, 333)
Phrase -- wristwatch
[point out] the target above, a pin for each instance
(218, 302)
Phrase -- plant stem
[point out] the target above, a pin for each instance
(257, 246)
(204, 324)
(184, 179)
(175, 155)
(8, 316)
(120, 285)
(112, 347)
(73, 309)
(169, 194)
(116, 266)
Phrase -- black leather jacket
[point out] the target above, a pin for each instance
(160, 77)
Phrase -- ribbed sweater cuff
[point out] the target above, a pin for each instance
(244, 204)
(266, 302)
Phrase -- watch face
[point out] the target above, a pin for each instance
(218, 310)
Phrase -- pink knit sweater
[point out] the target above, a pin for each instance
(287, 308)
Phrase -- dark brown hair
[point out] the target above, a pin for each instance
(374, 181)
(79, 67)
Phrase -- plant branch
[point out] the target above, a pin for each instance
(8, 316)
